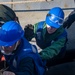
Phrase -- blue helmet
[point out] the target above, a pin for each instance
(55, 17)
(10, 33)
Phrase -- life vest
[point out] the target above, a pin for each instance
(26, 51)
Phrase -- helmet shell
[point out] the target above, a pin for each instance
(55, 18)
(6, 13)
(10, 33)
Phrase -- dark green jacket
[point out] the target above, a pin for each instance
(55, 47)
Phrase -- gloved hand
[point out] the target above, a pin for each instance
(29, 31)
(69, 20)
(8, 73)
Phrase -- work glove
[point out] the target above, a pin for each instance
(29, 31)
(69, 20)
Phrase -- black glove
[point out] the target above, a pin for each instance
(29, 31)
(69, 20)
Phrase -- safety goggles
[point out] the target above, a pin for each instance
(55, 19)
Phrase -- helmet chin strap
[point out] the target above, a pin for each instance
(16, 45)
(11, 53)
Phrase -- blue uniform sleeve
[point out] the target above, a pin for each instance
(26, 67)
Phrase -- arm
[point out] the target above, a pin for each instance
(26, 67)
(53, 50)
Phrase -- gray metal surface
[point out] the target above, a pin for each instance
(71, 37)
(45, 5)
(39, 4)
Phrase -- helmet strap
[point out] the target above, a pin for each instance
(16, 45)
